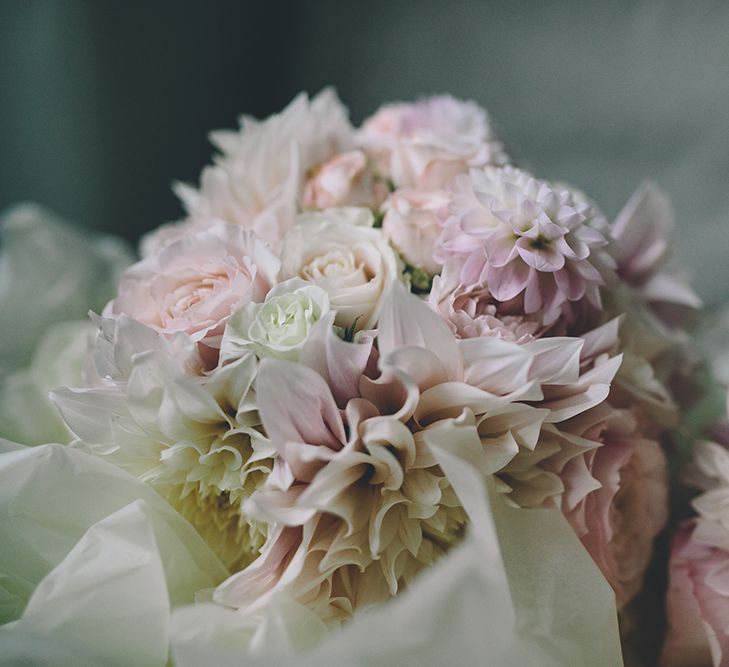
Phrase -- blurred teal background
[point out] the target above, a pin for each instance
(103, 104)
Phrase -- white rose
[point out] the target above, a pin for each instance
(340, 251)
(279, 327)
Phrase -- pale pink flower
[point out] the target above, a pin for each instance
(597, 466)
(413, 221)
(520, 235)
(193, 284)
(257, 180)
(698, 593)
(426, 143)
(471, 311)
(345, 180)
(697, 603)
(557, 472)
(370, 499)
(642, 234)
(619, 521)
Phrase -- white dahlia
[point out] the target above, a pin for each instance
(193, 436)
(257, 180)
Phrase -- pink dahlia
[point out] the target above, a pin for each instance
(521, 236)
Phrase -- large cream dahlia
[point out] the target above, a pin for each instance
(374, 458)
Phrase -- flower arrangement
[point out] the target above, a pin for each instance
(382, 392)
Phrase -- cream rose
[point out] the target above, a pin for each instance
(340, 251)
(413, 222)
(280, 326)
(194, 283)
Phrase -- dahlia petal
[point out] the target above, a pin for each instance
(570, 283)
(587, 271)
(474, 268)
(665, 288)
(297, 406)
(391, 433)
(394, 393)
(477, 224)
(508, 281)
(254, 584)
(641, 231)
(556, 360)
(568, 407)
(447, 400)
(406, 321)
(422, 365)
(322, 493)
(524, 422)
(572, 249)
(534, 301)
(500, 248)
(547, 259)
(340, 363)
(494, 365)
(601, 340)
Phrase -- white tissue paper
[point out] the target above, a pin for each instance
(96, 561)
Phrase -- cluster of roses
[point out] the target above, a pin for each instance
(348, 318)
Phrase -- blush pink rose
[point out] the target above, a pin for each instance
(345, 180)
(619, 521)
(426, 143)
(195, 282)
(413, 222)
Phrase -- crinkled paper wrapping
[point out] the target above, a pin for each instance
(92, 557)
(94, 564)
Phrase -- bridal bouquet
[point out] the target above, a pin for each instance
(382, 397)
